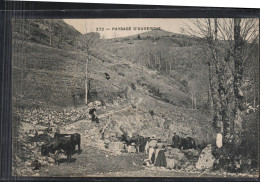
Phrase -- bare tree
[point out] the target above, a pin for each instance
(87, 43)
(226, 39)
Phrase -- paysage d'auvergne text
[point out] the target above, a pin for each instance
(126, 28)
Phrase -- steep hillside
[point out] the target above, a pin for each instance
(46, 68)
(173, 55)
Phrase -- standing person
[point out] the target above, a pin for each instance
(152, 145)
(160, 158)
(175, 140)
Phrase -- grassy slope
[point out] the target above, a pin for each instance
(50, 74)
(45, 74)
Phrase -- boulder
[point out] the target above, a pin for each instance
(206, 159)
(114, 146)
(174, 153)
(170, 163)
(131, 149)
(191, 153)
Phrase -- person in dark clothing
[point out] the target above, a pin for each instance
(142, 144)
(160, 158)
(175, 141)
(94, 117)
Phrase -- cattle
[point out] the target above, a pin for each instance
(191, 143)
(65, 142)
(187, 143)
(75, 138)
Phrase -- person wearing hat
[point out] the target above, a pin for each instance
(160, 158)
(175, 140)
(152, 144)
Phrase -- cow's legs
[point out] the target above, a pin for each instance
(79, 147)
(69, 157)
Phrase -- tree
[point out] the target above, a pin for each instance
(87, 43)
(227, 40)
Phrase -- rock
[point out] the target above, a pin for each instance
(114, 146)
(170, 163)
(175, 153)
(131, 149)
(68, 128)
(206, 159)
(191, 153)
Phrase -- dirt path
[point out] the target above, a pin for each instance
(93, 161)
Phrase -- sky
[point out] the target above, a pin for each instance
(106, 27)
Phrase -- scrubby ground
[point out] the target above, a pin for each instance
(97, 161)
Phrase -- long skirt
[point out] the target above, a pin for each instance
(161, 159)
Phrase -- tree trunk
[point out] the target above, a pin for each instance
(238, 77)
(215, 104)
(220, 68)
(86, 80)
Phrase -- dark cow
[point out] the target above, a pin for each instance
(187, 143)
(65, 142)
(191, 143)
(75, 138)
(183, 144)
(137, 140)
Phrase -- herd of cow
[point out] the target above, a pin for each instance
(140, 142)
(68, 143)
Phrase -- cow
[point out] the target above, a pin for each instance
(75, 138)
(191, 143)
(65, 142)
(187, 143)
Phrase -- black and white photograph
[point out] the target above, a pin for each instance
(135, 97)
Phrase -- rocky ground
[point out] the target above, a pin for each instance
(97, 160)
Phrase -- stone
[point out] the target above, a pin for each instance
(175, 153)
(206, 159)
(114, 146)
(170, 163)
(131, 149)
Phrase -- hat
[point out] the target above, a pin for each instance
(159, 140)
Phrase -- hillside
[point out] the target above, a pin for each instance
(50, 32)
(43, 73)
(49, 87)
(178, 57)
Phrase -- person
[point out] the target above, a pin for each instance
(94, 117)
(160, 158)
(175, 140)
(152, 145)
